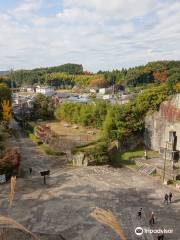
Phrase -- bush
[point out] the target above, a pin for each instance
(10, 162)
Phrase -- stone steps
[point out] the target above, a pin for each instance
(146, 169)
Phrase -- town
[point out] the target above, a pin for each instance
(89, 120)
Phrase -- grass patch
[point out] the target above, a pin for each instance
(85, 147)
(126, 158)
(155, 174)
(50, 151)
(123, 159)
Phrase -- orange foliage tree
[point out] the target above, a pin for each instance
(99, 82)
(6, 110)
(160, 76)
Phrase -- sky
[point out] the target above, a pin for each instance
(100, 34)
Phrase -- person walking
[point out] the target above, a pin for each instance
(140, 213)
(166, 197)
(152, 219)
(160, 237)
(170, 197)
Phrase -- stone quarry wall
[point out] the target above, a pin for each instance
(159, 124)
(129, 143)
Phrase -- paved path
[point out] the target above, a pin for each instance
(63, 206)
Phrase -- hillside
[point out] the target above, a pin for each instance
(69, 75)
(153, 72)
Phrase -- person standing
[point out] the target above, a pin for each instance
(160, 237)
(152, 219)
(170, 197)
(140, 213)
(30, 170)
(166, 197)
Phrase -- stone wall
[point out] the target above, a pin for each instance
(159, 124)
(129, 143)
(79, 159)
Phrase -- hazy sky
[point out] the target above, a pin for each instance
(100, 34)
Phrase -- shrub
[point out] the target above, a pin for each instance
(10, 162)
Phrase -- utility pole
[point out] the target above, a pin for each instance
(165, 157)
(11, 71)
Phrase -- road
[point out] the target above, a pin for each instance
(63, 206)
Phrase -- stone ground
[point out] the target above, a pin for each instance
(61, 209)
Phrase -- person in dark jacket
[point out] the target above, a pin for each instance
(140, 213)
(170, 197)
(30, 170)
(166, 197)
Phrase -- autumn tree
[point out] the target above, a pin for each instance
(99, 82)
(10, 162)
(5, 94)
(6, 110)
(160, 76)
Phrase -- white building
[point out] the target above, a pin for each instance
(30, 89)
(48, 91)
(109, 90)
(103, 91)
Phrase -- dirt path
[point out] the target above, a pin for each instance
(32, 156)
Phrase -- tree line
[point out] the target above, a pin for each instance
(70, 75)
(153, 72)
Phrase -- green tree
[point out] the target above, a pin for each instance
(173, 80)
(43, 108)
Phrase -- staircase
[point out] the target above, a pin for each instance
(145, 168)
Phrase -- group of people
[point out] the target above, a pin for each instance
(151, 220)
(168, 198)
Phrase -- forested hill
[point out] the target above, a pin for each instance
(70, 68)
(41, 75)
(159, 71)
(69, 75)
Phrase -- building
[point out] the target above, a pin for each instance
(109, 90)
(30, 89)
(46, 90)
(93, 90)
(102, 91)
